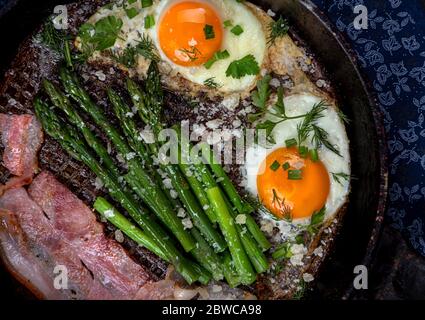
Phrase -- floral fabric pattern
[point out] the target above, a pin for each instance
(392, 54)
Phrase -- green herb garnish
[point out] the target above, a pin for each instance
(146, 3)
(126, 58)
(209, 32)
(227, 23)
(318, 217)
(237, 30)
(303, 151)
(282, 252)
(340, 177)
(321, 137)
(284, 209)
(314, 155)
(275, 165)
(306, 126)
(149, 21)
(295, 174)
(291, 143)
(343, 117)
(262, 94)
(211, 83)
(147, 49)
(131, 13)
(56, 40)
(192, 53)
(243, 67)
(277, 30)
(219, 55)
(102, 35)
(286, 166)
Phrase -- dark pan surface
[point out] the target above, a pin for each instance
(362, 223)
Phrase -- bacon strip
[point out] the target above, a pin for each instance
(22, 137)
(105, 258)
(54, 228)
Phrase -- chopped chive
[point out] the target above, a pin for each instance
(149, 21)
(237, 30)
(227, 23)
(146, 3)
(303, 151)
(286, 166)
(209, 32)
(275, 165)
(294, 174)
(314, 155)
(131, 13)
(131, 1)
(282, 252)
(219, 55)
(291, 143)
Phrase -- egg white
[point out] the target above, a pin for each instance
(296, 105)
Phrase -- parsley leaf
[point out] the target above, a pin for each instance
(243, 67)
(268, 126)
(209, 32)
(219, 55)
(107, 30)
(318, 217)
(262, 94)
(102, 35)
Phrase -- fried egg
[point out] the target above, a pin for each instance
(291, 185)
(189, 33)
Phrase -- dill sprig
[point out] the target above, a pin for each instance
(306, 126)
(56, 40)
(277, 29)
(126, 58)
(284, 209)
(52, 37)
(340, 177)
(300, 293)
(147, 49)
(192, 53)
(211, 83)
(343, 117)
(321, 138)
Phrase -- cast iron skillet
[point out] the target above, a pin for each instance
(362, 224)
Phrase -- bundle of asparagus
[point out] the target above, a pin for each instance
(220, 248)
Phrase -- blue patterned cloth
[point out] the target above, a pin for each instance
(392, 53)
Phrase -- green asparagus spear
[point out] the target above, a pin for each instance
(71, 141)
(200, 220)
(145, 187)
(110, 213)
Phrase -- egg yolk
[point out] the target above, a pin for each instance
(190, 32)
(292, 198)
